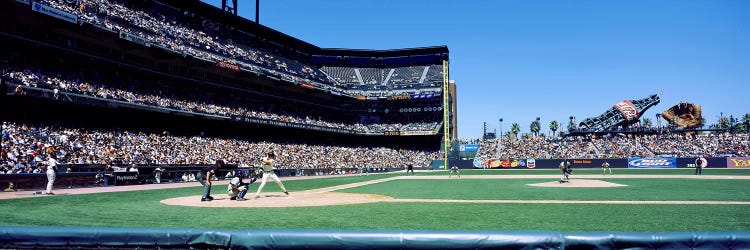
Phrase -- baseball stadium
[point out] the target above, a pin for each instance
(177, 124)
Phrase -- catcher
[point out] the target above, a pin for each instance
(237, 188)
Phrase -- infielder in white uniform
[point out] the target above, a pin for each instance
(267, 164)
(454, 169)
(605, 167)
(51, 174)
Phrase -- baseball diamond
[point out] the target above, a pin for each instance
(643, 195)
(173, 124)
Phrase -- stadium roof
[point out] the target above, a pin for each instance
(384, 53)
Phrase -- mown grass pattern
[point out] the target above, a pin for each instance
(142, 208)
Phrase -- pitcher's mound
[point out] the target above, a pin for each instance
(578, 183)
(300, 199)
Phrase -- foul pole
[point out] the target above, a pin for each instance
(446, 116)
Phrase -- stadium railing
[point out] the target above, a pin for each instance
(121, 238)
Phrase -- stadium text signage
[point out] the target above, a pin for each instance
(228, 65)
(399, 97)
(54, 12)
(135, 39)
(306, 85)
(738, 162)
(422, 96)
(418, 132)
(468, 147)
(670, 162)
(628, 110)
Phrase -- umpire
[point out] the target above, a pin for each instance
(699, 165)
(205, 176)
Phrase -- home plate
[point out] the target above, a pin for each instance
(584, 183)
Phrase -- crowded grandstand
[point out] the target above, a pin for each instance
(115, 82)
(171, 83)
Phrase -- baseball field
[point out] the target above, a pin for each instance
(653, 200)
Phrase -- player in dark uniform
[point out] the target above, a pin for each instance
(204, 177)
(410, 167)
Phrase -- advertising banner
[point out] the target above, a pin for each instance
(228, 65)
(126, 178)
(54, 12)
(628, 110)
(518, 163)
(422, 96)
(530, 163)
(417, 132)
(505, 164)
(469, 147)
(738, 162)
(494, 163)
(399, 97)
(306, 85)
(136, 39)
(669, 162)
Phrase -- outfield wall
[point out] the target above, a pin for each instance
(130, 238)
(634, 162)
(146, 176)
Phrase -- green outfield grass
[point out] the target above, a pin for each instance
(517, 189)
(142, 208)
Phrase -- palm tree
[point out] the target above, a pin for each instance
(724, 122)
(741, 124)
(554, 125)
(515, 128)
(647, 122)
(535, 127)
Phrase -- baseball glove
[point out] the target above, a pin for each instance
(684, 115)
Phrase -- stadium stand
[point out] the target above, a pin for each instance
(24, 147)
(708, 145)
(163, 26)
(59, 85)
(106, 90)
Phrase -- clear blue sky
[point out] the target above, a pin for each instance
(550, 59)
